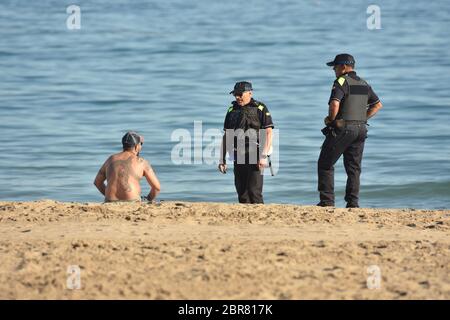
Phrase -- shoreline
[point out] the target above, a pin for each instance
(192, 250)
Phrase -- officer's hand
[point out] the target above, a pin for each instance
(223, 168)
(262, 163)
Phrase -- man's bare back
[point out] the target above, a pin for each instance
(122, 172)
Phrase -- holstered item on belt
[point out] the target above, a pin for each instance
(328, 130)
(339, 123)
(325, 131)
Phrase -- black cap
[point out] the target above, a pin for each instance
(130, 139)
(343, 58)
(241, 87)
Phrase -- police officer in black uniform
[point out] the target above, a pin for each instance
(248, 138)
(351, 104)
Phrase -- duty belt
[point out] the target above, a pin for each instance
(355, 121)
(341, 123)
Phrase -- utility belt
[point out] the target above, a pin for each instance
(340, 124)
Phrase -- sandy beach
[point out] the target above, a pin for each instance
(181, 250)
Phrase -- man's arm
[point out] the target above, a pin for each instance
(267, 126)
(152, 180)
(337, 94)
(99, 180)
(268, 141)
(374, 109)
(223, 146)
(267, 146)
(333, 109)
(223, 152)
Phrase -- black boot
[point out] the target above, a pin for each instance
(325, 204)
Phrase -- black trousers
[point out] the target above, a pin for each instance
(348, 141)
(249, 183)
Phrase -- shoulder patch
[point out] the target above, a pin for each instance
(341, 80)
(261, 107)
(230, 109)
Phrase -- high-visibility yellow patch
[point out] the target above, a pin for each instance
(261, 107)
(267, 113)
(230, 109)
(341, 80)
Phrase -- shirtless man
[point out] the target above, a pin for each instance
(123, 170)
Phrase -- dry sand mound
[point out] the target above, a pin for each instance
(221, 251)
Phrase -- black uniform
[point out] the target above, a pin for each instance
(247, 177)
(355, 96)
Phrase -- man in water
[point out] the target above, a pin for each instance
(123, 170)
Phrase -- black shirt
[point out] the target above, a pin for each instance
(233, 118)
(341, 90)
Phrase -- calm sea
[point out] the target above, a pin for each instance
(68, 96)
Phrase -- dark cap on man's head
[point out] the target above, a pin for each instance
(241, 87)
(130, 139)
(343, 58)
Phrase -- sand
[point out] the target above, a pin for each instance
(181, 250)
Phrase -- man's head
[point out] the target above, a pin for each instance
(342, 64)
(242, 92)
(131, 141)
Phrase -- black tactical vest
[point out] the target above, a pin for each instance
(245, 117)
(354, 106)
(249, 118)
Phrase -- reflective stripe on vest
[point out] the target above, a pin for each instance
(354, 107)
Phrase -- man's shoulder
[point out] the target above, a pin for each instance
(357, 77)
(363, 80)
(111, 158)
(115, 156)
(231, 107)
(144, 162)
(260, 105)
(141, 159)
(340, 81)
(108, 162)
